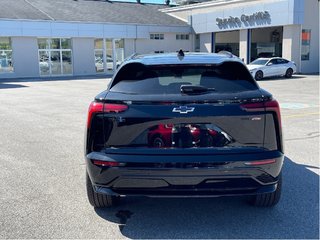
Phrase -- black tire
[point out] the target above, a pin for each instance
(259, 75)
(99, 200)
(158, 142)
(289, 73)
(268, 199)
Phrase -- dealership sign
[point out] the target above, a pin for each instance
(258, 17)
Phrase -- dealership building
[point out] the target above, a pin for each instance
(257, 28)
(44, 38)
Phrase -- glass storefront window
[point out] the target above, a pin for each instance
(43, 43)
(266, 43)
(107, 52)
(108, 43)
(6, 62)
(119, 43)
(109, 59)
(5, 43)
(44, 63)
(55, 56)
(227, 41)
(119, 47)
(66, 43)
(98, 55)
(98, 43)
(305, 44)
(66, 62)
(55, 43)
(55, 62)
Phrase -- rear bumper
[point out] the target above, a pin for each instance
(195, 175)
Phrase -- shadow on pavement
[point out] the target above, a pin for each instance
(279, 78)
(7, 86)
(52, 79)
(296, 215)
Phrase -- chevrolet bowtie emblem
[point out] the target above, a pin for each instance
(183, 109)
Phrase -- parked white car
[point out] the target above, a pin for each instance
(268, 67)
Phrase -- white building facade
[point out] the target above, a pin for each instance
(45, 38)
(46, 48)
(257, 28)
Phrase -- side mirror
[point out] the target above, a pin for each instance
(269, 63)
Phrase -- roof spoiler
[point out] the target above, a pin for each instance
(132, 56)
(227, 53)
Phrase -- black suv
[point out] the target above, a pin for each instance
(183, 125)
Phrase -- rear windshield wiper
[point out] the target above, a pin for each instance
(190, 89)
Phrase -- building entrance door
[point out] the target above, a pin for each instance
(266, 42)
(227, 41)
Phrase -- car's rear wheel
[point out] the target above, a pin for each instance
(99, 200)
(268, 199)
(289, 73)
(158, 142)
(259, 75)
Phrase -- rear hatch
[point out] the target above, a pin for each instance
(186, 110)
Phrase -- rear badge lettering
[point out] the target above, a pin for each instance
(256, 119)
(183, 109)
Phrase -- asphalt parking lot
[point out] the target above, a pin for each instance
(42, 172)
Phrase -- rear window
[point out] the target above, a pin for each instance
(136, 78)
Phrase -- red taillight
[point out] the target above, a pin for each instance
(260, 162)
(114, 108)
(98, 107)
(272, 105)
(95, 107)
(105, 163)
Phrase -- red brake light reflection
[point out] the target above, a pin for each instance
(105, 163)
(114, 108)
(261, 162)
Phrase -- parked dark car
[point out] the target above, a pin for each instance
(183, 125)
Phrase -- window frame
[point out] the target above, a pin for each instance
(183, 37)
(49, 49)
(157, 36)
(114, 53)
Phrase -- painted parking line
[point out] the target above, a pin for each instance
(300, 115)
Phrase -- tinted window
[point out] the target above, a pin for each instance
(259, 62)
(136, 78)
(273, 61)
(282, 61)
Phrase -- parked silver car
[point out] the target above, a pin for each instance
(268, 67)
